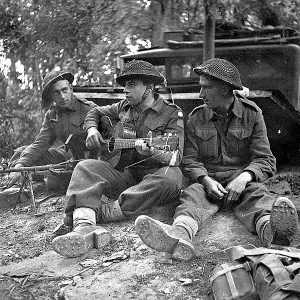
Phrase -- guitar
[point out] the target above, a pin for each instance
(122, 135)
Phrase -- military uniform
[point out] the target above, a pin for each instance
(225, 155)
(144, 182)
(223, 148)
(58, 125)
(62, 125)
(144, 177)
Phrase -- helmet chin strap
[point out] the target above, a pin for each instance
(147, 92)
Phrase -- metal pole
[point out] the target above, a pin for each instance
(209, 29)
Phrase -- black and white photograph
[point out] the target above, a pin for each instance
(149, 149)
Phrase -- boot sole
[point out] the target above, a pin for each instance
(184, 251)
(74, 245)
(284, 221)
(155, 237)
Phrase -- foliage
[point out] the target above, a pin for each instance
(19, 117)
(86, 36)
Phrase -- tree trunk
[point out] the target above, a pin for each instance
(160, 10)
(209, 29)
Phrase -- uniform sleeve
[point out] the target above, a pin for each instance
(174, 127)
(191, 166)
(96, 113)
(40, 146)
(263, 162)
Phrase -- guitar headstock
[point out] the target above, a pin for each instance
(166, 142)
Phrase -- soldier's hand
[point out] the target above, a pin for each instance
(94, 139)
(143, 148)
(237, 186)
(213, 188)
(14, 177)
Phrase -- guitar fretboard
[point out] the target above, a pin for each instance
(124, 143)
(157, 142)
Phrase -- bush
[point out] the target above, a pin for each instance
(20, 120)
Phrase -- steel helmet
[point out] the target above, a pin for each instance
(221, 69)
(52, 77)
(140, 69)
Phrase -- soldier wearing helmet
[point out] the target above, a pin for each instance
(65, 116)
(227, 158)
(145, 174)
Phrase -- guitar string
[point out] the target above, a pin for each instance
(130, 141)
(136, 163)
(149, 158)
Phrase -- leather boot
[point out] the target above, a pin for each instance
(165, 238)
(85, 235)
(83, 238)
(282, 226)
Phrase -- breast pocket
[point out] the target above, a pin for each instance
(154, 125)
(207, 142)
(239, 141)
(76, 125)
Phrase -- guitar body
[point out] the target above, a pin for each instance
(110, 131)
(119, 135)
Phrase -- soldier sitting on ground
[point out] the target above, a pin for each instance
(65, 117)
(146, 175)
(227, 157)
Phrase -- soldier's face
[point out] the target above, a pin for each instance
(61, 93)
(134, 91)
(211, 92)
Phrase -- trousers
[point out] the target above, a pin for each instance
(136, 189)
(54, 155)
(254, 202)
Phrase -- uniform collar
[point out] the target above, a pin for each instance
(157, 105)
(237, 110)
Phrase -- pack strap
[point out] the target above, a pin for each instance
(227, 268)
(293, 268)
(238, 252)
(227, 271)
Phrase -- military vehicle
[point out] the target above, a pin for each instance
(269, 63)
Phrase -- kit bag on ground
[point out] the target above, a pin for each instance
(230, 281)
(274, 280)
(258, 273)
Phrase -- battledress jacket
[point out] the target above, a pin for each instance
(58, 124)
(161, 118)
(246, 145)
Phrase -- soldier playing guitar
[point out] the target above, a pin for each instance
(145, 173)
(120, 136)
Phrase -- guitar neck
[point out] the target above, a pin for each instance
(124, 143)
(158, 142)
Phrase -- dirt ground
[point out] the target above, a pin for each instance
(126, 268)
